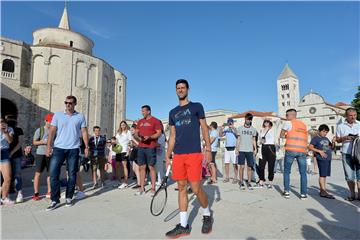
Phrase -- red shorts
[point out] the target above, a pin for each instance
(187, 167)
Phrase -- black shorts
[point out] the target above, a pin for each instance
(42, 162)
(120, 157)
(133, 155)
(213, 156)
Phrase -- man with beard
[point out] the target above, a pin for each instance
(185, 121)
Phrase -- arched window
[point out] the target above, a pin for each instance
(8, 65)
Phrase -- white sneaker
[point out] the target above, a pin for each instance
(6, 201)
(122, 186)
(79, 195)
(19, 198)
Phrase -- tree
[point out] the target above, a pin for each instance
(356, 103)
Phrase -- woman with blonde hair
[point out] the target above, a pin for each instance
(123, 137)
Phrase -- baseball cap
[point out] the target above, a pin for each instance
(230, 121)
(48, 117)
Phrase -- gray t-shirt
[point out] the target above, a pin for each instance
(246, 135)
(41, 149)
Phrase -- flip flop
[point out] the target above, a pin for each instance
(350, 199)
(329, 196)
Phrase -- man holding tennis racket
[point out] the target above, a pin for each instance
(185, 121)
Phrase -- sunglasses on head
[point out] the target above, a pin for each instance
(70, 103)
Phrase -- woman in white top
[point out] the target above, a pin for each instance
(123, 137)
(268, 152)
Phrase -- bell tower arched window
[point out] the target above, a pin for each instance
(8, 65)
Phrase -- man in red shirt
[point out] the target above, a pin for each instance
(148, 130)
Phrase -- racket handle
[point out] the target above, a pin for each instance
(168, 170)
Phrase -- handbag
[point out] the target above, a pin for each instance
(263, 140)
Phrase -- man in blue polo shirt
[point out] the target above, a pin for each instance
(67, 126)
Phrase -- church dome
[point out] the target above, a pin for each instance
(63, 37)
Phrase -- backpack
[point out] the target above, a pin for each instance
(42, 132)
(355, 152)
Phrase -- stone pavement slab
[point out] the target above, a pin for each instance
(258, 214)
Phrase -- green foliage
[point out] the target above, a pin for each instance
(356, 103)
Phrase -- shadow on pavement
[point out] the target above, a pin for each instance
(346, 218)
(213, 194)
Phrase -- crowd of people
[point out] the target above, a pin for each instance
(143, 150)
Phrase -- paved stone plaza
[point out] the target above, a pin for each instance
(259, 214)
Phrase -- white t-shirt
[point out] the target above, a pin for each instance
(344, 129)
(287, 126)
(124, 139)
(269, 136)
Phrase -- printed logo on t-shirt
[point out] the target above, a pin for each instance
(145, 124)
(246, 132)
(183, 118)
(325, 145)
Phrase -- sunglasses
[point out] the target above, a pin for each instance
(70, 103)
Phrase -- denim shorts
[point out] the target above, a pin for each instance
(146, 156)
(249, 156)
(4, 156)
(351, 168)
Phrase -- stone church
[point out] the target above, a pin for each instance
(35, 79)
(312, 108)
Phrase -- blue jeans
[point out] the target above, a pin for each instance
(301, 159)
(72, 166)
(16, 172)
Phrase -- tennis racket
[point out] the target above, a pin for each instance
(158, 201)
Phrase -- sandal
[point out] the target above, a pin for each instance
(211, 182)
(226, 180)
(234, 181)
(350, 199)
(329, 196)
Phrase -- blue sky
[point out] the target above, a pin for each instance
(231, 52)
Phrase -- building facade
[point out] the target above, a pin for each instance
(35, 79)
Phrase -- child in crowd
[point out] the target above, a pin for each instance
(114, 148)
(322, 148)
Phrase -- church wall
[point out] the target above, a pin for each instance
(62, 37)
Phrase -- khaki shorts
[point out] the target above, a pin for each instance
(97, 162)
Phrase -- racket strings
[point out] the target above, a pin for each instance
(158, 202)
